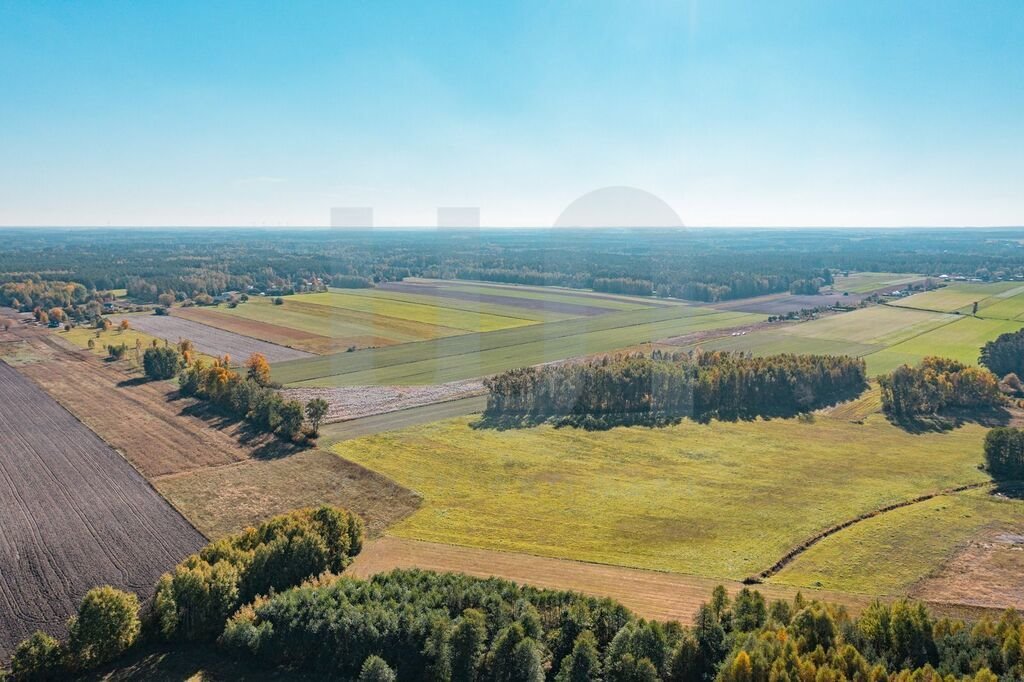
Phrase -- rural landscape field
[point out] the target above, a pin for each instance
(816, 500)
(527, 341)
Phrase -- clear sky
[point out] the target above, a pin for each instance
(852, 112)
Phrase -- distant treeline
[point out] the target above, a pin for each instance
(709, 265)
(937, 384)
(662, 388)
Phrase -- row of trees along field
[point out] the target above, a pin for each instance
(270, 598)
(936, 384)
(249, 396)
(664, 387)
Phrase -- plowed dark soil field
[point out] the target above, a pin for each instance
(73, 515)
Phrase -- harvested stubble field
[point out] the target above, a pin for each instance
(75, 515)
(651, 594)
(780, 304)
(273, 333)
(988, 571)
(226, 499)
(864, 282)
(353, 402)
(682, 499)
(474, 355)
(210, 340)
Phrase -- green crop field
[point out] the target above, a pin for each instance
(960, 339)
(723, 500)
(1007, 305)
(922, 535)
(478, 307)
(424, 312)
(609, 301)
(876, 325)
(957, 297)
(473, 355)
(298, 313)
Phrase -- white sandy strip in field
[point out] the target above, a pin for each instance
(211, 340)
(353, 402)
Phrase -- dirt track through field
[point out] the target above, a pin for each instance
(74, 515)
(651, 594)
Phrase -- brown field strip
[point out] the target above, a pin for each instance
(226, 499)
(211, 340)
(273, 333)
(74, 515)
(650, 594)
(155, 432)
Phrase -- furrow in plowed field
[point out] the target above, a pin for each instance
(75, 515)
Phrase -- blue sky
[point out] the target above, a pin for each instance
(735, 113)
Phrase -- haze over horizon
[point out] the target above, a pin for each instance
(801, 114)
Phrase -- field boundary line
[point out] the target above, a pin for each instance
(792, 554)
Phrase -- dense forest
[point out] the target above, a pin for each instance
(937, 384)
(704, 265)
(664, 387)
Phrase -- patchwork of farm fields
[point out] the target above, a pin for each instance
(885, 336)
(75, 515)
(217, 472)
(469, 356)
(995, 299)
(210, 340)
(689, 498)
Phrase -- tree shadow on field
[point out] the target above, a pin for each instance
(156, 661)
(263, 445)
(134, 381)
(950, 419)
